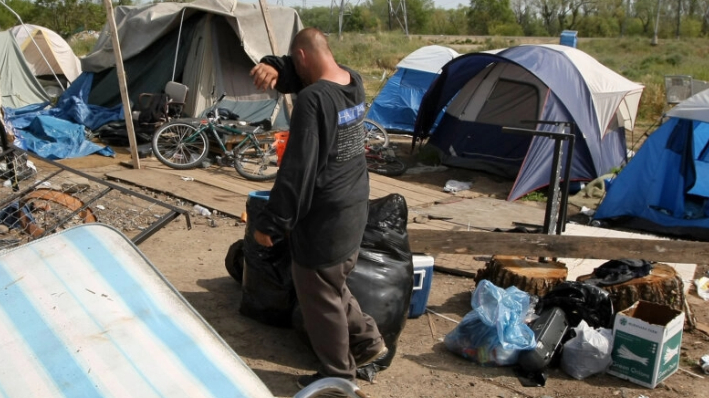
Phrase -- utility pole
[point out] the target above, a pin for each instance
(657, 23)
(679, 10)
(344, 7)
(394, 13)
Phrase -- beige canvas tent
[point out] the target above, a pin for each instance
(208, 45)
(46, 52)
(18, 87)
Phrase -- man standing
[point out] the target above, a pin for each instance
(320, 201)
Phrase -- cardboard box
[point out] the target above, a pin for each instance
(423, 274)
(647, 339)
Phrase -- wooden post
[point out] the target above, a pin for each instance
(274, 48)
(122, 84)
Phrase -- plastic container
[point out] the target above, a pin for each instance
(202, 211)
(423, 275)
(568, 38)
(281, 139)
(259, 195)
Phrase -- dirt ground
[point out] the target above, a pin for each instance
(193, 261)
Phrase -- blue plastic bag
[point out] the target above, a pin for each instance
(494, 332)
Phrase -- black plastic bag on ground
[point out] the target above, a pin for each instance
(116, 134)
(383, 280)
(580, 301)
(267, 285)
(234, 260)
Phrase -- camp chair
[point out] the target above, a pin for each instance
(156, 108)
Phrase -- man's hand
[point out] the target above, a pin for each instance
(263, 239)
(265, 76)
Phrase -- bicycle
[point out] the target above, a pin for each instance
(184, 143)
(383, 161)
(375, 134)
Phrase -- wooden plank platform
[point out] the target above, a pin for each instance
(451, 228)
(221, 188)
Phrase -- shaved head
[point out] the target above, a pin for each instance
(313, 59)
(310, 40)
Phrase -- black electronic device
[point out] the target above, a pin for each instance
(549, 330)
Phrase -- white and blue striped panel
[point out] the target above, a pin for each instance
(84, 314)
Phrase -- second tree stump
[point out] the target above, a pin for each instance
(533, 277)
(662, 286)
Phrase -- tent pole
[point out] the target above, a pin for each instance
(29, 34)
(122, 83)
(177, 46)
(274, 50)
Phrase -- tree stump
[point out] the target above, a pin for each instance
(533, 277)
(662, 286)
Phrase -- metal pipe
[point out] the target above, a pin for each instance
(177, 46)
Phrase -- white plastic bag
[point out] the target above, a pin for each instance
(455, 186)
(588, 353)
(702, 287)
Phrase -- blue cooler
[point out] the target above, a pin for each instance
(423, 274)
(259, 195)
(568, 38)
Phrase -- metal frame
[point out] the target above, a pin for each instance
(558, 192)
(172, 213)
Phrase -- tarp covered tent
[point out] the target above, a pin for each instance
(479, 93)
(18, 86)
(219, 42)
(396, 105)
(665, 186)
(46, 52)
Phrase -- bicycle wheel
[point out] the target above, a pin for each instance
(375, 134)
(180, 145)
(257, 162)
(385, 165)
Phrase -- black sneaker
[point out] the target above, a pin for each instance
(304, 381)
(372, 356)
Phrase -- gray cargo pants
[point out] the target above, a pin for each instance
(336, 326)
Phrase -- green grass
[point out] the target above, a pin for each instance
(82, 46)
(535, 196)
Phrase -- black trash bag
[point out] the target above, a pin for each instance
(116, 134)
(382, 280)
(267, 285)
(580, 301)
(234, 260)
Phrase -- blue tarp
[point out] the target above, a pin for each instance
(54, 138)
(58, 132)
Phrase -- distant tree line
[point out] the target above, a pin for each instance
(590, 18)
(65, 17)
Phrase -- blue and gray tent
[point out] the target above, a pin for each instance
(665, 186)
(396, 106)
(477, 94)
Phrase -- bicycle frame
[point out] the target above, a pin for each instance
(216, 129)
